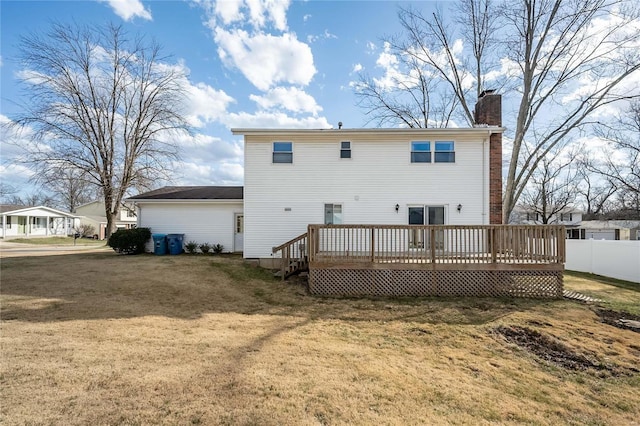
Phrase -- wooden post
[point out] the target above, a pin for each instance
(494, 250)
(372, 244)
(432, 243)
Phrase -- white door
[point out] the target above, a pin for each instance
(238, 232)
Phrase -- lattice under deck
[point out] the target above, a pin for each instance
(416, 282)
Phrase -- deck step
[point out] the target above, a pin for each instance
(574, 295)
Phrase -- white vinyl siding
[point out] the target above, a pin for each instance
(280, 202)
(203, 222)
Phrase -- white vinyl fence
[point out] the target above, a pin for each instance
(615, 259)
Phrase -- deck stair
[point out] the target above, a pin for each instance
(294, 255)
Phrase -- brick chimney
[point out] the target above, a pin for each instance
(489, 111)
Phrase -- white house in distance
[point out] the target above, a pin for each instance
(297, 177)
(40, 221)
(93, 213)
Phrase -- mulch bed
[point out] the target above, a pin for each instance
(622, 320)
(550, 349)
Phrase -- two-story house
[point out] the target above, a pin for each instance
(297, 177)
(93, 214)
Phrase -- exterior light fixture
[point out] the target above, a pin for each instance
(459, 207)
(397, 207)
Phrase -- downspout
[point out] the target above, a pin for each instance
(485, 183)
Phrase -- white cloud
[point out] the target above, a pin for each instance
(229, 10)
(324, 36)
(129, 9)
(357, 68)
(306, 17)
(265, 59)
(278, 120)
(290, 98)
(256, 13)
(206, 104)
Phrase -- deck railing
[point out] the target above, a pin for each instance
(512, 244)
(294, 255)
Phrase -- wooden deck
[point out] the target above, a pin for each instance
(442, 260)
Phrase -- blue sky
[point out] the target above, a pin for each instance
(285, 64)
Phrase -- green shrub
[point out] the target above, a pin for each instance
(205, 248)
(129, 241)
(191, 247)
(217, 249)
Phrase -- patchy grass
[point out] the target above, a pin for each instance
(59, 241)
(210, 340)
(618, 295)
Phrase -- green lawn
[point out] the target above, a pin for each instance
(59, 241)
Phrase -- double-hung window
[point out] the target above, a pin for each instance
(445, 152)
(345, 149)
(332, 214)
(421, 152)
(283, 152)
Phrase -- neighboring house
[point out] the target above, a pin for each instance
(398, 176)
(607, 230)
(204, 214)
(40, 221)
(569, 217)
(93, 214)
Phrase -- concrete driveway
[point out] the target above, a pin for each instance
(9, 249)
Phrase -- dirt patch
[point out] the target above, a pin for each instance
(622, 320)
(550, 349)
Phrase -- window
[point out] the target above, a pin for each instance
(283, 152)
(130, 213)
(9, 222)
(421, 152)
(566, 217)
(345, 149)
(332, 214)
(445, 152)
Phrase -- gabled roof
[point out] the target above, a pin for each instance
(482, 129)
(11, 207)
(192, 193)
(610, 224)
(13, 210)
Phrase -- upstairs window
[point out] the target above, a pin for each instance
(445, 152)
(283, 152)
(332, 214)
(421, 152)
(345, 149)
(566, 217)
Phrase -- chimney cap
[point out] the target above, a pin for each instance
(486, 92)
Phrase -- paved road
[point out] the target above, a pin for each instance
(9, 249)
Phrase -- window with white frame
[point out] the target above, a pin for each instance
(420, 152)
(445, 152)
(566, 217)
(38, 222)
(283, 152)
(332, 214)
(345, 149)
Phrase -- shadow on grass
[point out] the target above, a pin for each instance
(108, 286)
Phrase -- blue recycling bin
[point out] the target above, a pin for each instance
(159, 244)
(175, 242)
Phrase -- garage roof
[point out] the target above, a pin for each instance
(192, 193)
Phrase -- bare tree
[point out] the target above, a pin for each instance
(70, 187)
(103, 105)
(559, 65)
(597, 194)
(32, 199)
(552, 187)
(622, 158)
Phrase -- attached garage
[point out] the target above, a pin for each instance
(204, 214)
